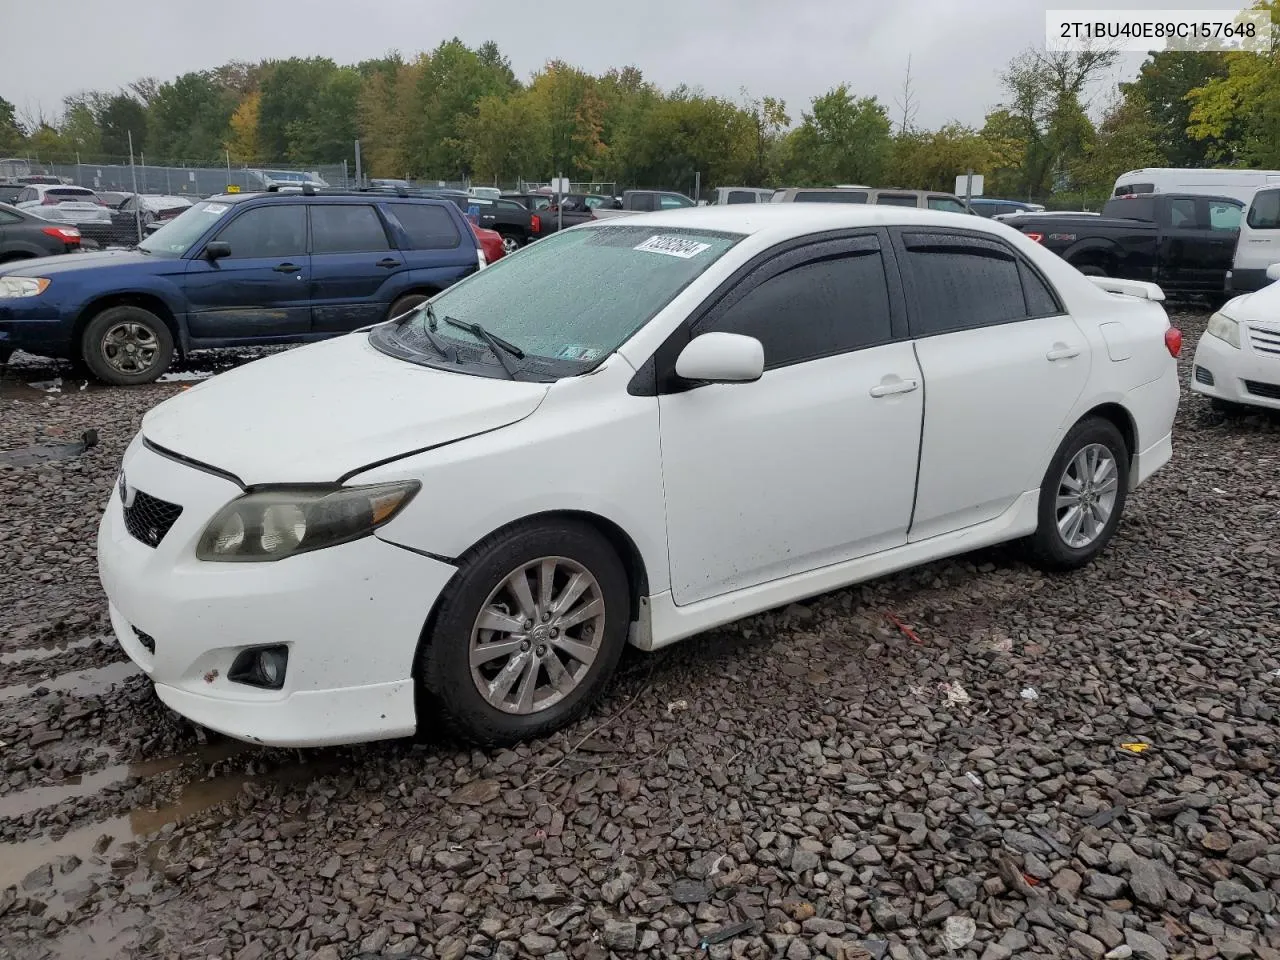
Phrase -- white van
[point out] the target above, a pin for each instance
(1258, 245)
(1240, 184)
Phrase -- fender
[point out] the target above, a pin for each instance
(21, 247)
(162, 288)
(1092, 245)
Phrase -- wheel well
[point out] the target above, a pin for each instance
(623, 545)
(146, 301)
(20, 255)
(418, 291)
(1123, 421)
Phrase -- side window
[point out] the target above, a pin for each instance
(668, 202)
(1264, 211)
(820, 300)
(6, 217)
(1182, 213)
(25, 195)
(946, 204)
(642, 201)
(427, 226)
(897, 199)
(962, 283)
(346, 228)
(1040, 299)
(1223, 215)
(278, 230)
(741, 196)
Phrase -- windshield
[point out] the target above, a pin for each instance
(568, 301)
(176, 236)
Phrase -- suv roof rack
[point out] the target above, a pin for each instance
(307, 190)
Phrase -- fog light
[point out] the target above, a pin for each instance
(261, 667)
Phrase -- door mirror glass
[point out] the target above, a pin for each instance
(217, 249)
(721, 358)
(1273, 271)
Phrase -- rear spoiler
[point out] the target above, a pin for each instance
(1129, 288)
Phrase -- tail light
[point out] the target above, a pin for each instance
(1173, 342)
(535, 224)
(1037, 237)
(49, 200)
(101, 202)
(481, 262)
(65, 234)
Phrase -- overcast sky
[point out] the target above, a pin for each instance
(793, 50)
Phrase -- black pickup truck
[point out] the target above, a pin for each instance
(1183, 242)
(516, 222)
(576, 208)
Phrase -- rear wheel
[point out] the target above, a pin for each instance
(510, 243)
(126, 345)
(407, 303)
(1082, 496)
(1092, 270)
(528, 632)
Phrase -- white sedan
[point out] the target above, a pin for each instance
(1237, 361)
(629, 432)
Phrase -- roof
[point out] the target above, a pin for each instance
(780, 221)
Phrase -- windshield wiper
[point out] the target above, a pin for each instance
(428, 330)
(501, 348)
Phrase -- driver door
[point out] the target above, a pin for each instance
(813, 463)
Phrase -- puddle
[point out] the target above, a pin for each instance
(105, 937)
(19, 859)
(79, 683)
(33, 798)
(44, 452)
(46, 652)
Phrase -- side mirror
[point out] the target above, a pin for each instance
(1273, 271)
(217, 249)
(721, 358)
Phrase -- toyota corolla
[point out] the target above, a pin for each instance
(629, 433)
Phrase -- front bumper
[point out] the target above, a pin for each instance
(1246, 375)
(350, 615)
(35, 324)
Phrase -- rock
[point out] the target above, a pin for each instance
(1229, 891)
(961, 890)
(449, 860)
(1144, 946)
(868, 856)
(804, 860)
(796, 950)
(452, 948)
(996, 952)
(614, 890)
(1243, 851)
(1122, 952)
(832, 928)
(476, 793)
(1216, 841)
(619, 935)
(330, 868)
(1026, 843)
(887, 915)
(41, 876)
(550, 893)
(842, 848)
(684, 890)
(537, 945)
(958, 931)
(1086, 944)
(1146, 882)
(1067, 882)
(1103, 886)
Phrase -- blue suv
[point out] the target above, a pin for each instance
(237, 270)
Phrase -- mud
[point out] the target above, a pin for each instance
(81, 683)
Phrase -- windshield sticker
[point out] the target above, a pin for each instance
(576, 351)
(673, 247)
(216, 208)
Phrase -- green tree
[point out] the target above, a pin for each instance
(509, 137)
(842, 139)
(453, 80)
(1128, 138)
(189, 120)
(11, 134)
(290, 89)
(78, 128)
(327, 133)
(1162, 86)
(120, 116)
(932, 159)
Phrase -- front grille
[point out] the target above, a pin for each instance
(1269, 390)
(150, 518)
(147, 640)
(1265, 341)
(1204, 376)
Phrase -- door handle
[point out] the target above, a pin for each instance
(890, 389)
(388, 262)
(1061, 351)
(286, 268)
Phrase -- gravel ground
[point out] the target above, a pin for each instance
(936, 763)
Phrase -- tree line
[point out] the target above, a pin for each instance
(458, 112)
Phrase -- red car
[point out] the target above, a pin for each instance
(490, 243)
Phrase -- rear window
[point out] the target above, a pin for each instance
(1129, 189)
(830, 196)
(742, 196)
(79, 194)
(897, 199)
(1131, 208)
(1264, 211)
(427, 226)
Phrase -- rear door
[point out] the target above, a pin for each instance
(430, 239)
(263, 289)
(1194, 256)
(1003, 365)
(352, 266)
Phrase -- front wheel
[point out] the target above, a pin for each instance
(1082, 496)
(406, 303)
(126, 345)
(510, 244)
(528, 632)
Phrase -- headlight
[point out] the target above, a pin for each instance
(274, 524)
(1224, 328)
(22, 286)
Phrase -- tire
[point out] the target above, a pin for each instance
(137, 327)
(444, 663)
(407, 303)
(1049, 547)
(510, 243)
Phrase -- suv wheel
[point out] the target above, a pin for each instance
(406, 303)
(126, 345)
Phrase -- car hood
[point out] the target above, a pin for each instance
(1261, 306)
(53, 266)
(317, 413)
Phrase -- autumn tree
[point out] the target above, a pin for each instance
(243, 145)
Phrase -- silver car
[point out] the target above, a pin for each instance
(63, 204)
